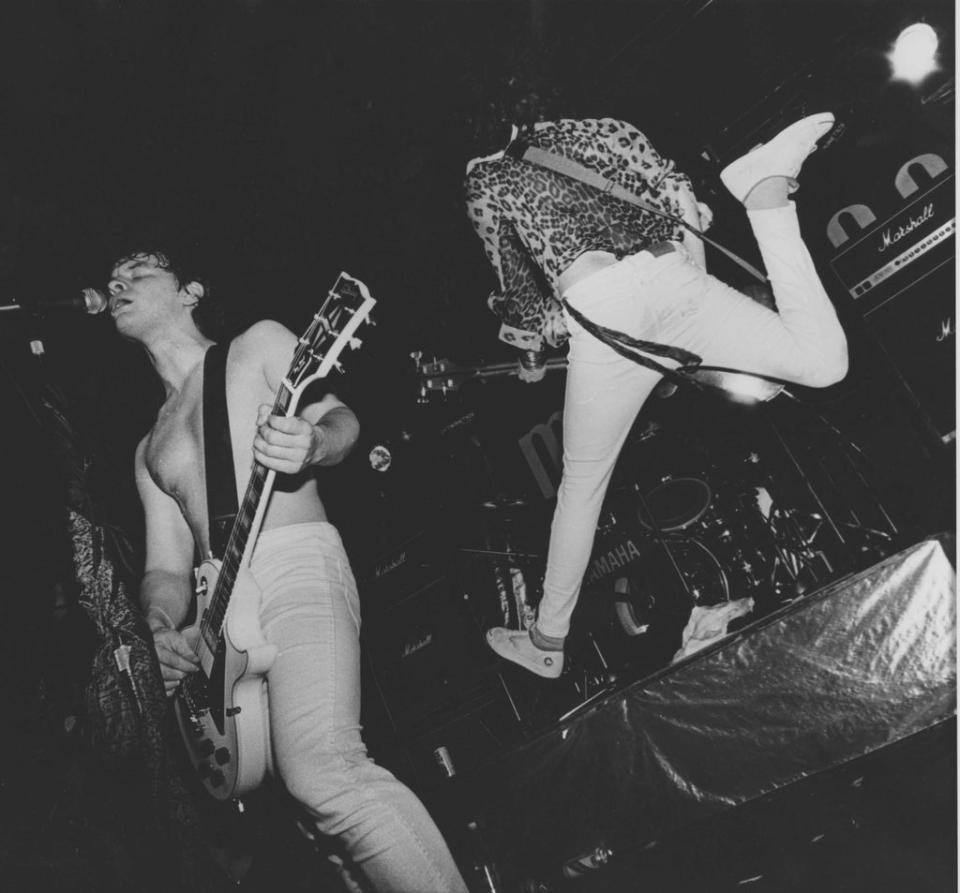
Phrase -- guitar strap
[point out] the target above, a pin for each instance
(222, 504)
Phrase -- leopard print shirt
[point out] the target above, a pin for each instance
(534, 222)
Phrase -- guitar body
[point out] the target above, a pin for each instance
(223, 709)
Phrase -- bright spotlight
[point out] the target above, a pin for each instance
(747, 388)
(914, 55)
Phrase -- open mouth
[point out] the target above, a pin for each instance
(119, 304)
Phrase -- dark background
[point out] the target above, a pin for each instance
(289, 141)
(285, 142)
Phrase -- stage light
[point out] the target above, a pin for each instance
(380, 458)
(914, 55)
(747, 388)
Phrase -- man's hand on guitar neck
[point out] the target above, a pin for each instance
(323, 434)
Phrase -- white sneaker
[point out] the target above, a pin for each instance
(515, 646)
(783, 156)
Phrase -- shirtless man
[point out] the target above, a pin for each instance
(310, 608)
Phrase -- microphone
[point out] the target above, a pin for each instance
(89, 300)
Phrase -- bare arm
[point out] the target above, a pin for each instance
(165, 591)
(322, 432)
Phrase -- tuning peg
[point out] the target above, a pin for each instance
(355, 343)
(416, 356)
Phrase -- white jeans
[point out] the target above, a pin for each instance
(311, 612)
(668, 299)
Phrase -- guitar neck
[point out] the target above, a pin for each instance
(493, 370)
(245, 529)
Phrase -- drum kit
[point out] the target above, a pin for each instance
(687, 522)
(677, 531)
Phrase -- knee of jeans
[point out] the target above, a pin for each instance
(829, 368)
(322, 782)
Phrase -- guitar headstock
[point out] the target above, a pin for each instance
(443, 376)
(346, 307)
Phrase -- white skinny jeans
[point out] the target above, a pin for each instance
(311, 612)
(668, 299)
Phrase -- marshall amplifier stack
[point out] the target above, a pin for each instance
(425, 651)
(900, 272)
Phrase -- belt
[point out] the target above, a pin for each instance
(591, 262)
(658, 249)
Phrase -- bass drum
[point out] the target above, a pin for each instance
(647, 606)
(725, 518)
(672, 576)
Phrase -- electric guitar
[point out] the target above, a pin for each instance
(222, 709)
(445, 377)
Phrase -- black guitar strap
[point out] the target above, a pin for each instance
(222, 504)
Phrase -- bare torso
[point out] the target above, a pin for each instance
(174, 455)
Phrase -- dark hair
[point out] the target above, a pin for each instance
(209, 312)
(524, 92)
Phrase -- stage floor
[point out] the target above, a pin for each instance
(816, 743)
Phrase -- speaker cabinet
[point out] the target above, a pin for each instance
(899, 268)
(438, 681)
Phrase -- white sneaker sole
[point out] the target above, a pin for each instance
(777, 158)
(546, 664)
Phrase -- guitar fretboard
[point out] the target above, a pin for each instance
(237, 543)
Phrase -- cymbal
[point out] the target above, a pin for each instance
(503, 503)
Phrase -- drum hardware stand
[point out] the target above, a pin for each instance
(796, 555)
(509, 579)
(791, 457)
(849, 446)
(603, 681)
(588, 700)
(657, 534)
(795, 534)
(793, 549)
(509, 555)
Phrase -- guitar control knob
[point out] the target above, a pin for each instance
(222, 756)
(204, 769)
(217, 779)
(205, 747)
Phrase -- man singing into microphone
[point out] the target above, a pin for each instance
(87, 300)
(309, 607)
